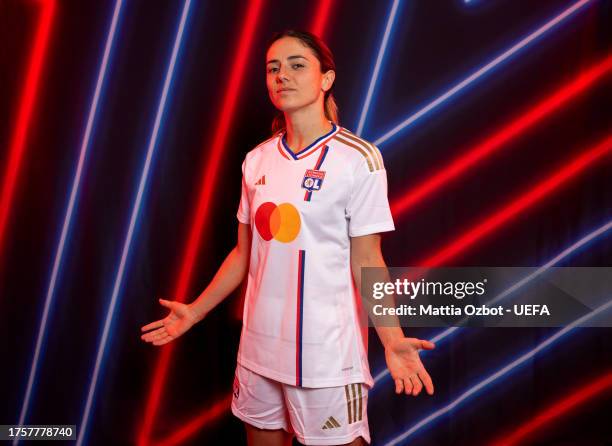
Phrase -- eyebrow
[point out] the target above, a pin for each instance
(290, 57)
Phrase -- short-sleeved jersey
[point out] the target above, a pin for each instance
(301, 321)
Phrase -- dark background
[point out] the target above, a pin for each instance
(434, 44)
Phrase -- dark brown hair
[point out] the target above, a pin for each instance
(326, 59)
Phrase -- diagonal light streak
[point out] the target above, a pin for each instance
(563, 255)
(203, 205)
(50, 296)
(480, 72)
(376, 72)
(593, 389)
(24, 114)
(100, 355)
(321, 16)
(501, 373)
(501, 137)
(541, 190)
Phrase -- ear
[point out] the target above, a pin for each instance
(328, 80)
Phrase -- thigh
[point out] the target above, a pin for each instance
(259, 401)
(328, 415)
(264, 437)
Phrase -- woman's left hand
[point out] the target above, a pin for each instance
(405, 365)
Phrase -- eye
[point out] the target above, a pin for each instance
(272, 70)
(299, 65)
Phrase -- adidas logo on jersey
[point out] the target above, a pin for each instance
(261, 181)
(331, 423)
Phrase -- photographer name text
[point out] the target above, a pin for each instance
(455, 310)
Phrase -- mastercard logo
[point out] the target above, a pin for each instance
(281, 223)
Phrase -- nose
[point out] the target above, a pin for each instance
(281, 75)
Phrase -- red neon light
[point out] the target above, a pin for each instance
(209, 177)
(556, 410)
(219, 140)
(512, 130)
(24, 115)
(320, 18)
(541, 190)
(192, 427)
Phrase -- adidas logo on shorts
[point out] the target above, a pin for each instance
(331, 423)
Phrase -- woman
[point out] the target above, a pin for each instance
(314, 200)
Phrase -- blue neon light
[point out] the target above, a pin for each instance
(507, 369)
(100, 356)
(65, 234)
(479, 73)
(375, 73)
(563, 255)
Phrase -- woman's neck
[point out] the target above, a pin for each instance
(302, 130)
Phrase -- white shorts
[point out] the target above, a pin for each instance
(320, 416)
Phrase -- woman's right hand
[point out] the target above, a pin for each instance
(181, 318)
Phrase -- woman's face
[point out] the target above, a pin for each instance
(294, 77)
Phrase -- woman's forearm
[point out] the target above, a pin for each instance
(391, 329)
(365, 252)
(227, 279)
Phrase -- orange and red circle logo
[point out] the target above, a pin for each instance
(281, 223)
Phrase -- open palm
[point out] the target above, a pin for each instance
(405, 365)
(180, 319)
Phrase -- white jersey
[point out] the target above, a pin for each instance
(301, 314)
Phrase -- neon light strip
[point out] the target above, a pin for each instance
(320, 18)
(209, 415)
(593, 389)
(563, 255)
(527, 199)
(499, 374)
(513, 129)
(133, 221)
(50, 296)
(551, 24)
(210, 171)
(379, 60)
(24, 114)
(217, 145)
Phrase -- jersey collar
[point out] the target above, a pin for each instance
(286, 152)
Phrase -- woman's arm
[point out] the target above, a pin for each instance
(365, 251)
(182, 317)
(229, 275)
(401, 353)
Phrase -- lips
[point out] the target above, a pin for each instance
(285, 89)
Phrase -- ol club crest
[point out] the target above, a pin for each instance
(313, 179)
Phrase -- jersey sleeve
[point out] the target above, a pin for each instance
(368, 208)
(243, 213)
